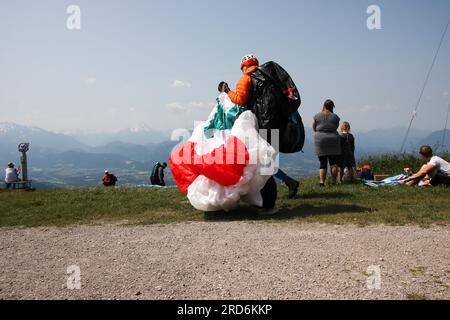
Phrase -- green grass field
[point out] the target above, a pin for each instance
(348, 203)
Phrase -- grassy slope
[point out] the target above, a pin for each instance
(332, 204)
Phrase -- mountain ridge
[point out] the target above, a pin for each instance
(65, 161)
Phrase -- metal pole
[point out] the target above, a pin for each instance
(23, 148)
(446, 125)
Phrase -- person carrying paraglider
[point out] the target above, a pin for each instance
(253, 99)
(229, 157)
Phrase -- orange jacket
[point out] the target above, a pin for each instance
(240, 97)
(106, 180)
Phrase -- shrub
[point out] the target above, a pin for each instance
(393, 164)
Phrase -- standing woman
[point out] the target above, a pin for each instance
(327, 141)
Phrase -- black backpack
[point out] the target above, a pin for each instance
(275, 100)
(365, 173)
(113, 178)
(154, 175)
(292, 134)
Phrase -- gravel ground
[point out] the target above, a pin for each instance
(225, 260)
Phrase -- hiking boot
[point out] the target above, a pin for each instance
(293, 187)
(268, 212)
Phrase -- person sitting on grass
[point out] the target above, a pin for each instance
(11, 175)
(348, 151)
(435, 172)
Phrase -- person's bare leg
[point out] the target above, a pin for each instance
(334, 174)
(323, 175)
(341, 175)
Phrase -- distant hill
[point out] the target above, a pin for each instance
(148, 152)
(12, 134)
(131, 150)
(388, 140)
(139, 135)
(61, 160)
(435, 140)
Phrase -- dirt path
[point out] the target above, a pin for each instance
(225, 260)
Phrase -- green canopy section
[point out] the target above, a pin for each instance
(223, 120)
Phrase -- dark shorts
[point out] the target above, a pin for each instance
(440, 179)
(347, 162)
(332, 160)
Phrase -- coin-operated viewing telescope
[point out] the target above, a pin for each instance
(23, 149)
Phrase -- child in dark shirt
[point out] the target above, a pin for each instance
(348, 151)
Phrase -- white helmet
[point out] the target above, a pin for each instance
(249, 60)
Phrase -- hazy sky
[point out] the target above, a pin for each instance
(159, 62)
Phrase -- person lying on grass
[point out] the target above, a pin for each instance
(435, 172)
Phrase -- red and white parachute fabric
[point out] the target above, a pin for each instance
(224, 161)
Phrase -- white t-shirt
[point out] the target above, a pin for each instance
(11, 175)
(440, 164)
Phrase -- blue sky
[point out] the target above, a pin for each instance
(159, 62)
